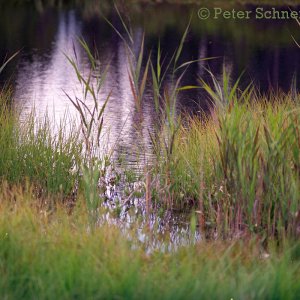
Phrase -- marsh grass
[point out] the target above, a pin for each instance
(31, 151)
(239, 167)
(91, 115)
(46, 252)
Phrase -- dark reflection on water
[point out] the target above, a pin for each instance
(42, 75)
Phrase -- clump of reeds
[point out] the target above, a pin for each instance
(239, 167)
(31, 151)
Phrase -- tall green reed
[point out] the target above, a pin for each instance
(237, 167)
(91, 110)
(91, 114)
(168, 120)
(257, 155)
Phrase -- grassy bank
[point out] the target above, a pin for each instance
(47, 253)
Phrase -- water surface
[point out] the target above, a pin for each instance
(42, 76)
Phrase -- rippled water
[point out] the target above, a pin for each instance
(41, 75)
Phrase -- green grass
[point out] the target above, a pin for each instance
(239, 168)
(46, 253)
(31, 151)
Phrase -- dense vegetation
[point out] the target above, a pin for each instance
(48, 253)
(239, 169)
(233, 172)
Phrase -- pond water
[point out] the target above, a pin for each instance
(41, 75)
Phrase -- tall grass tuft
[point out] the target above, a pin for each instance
(239, 167)
(89, 107)
(31, 151)
(91, 110)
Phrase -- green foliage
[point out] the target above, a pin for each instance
(46, 255)
(239, 167)
(31, 151)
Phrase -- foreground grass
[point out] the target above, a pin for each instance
(46, 253)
